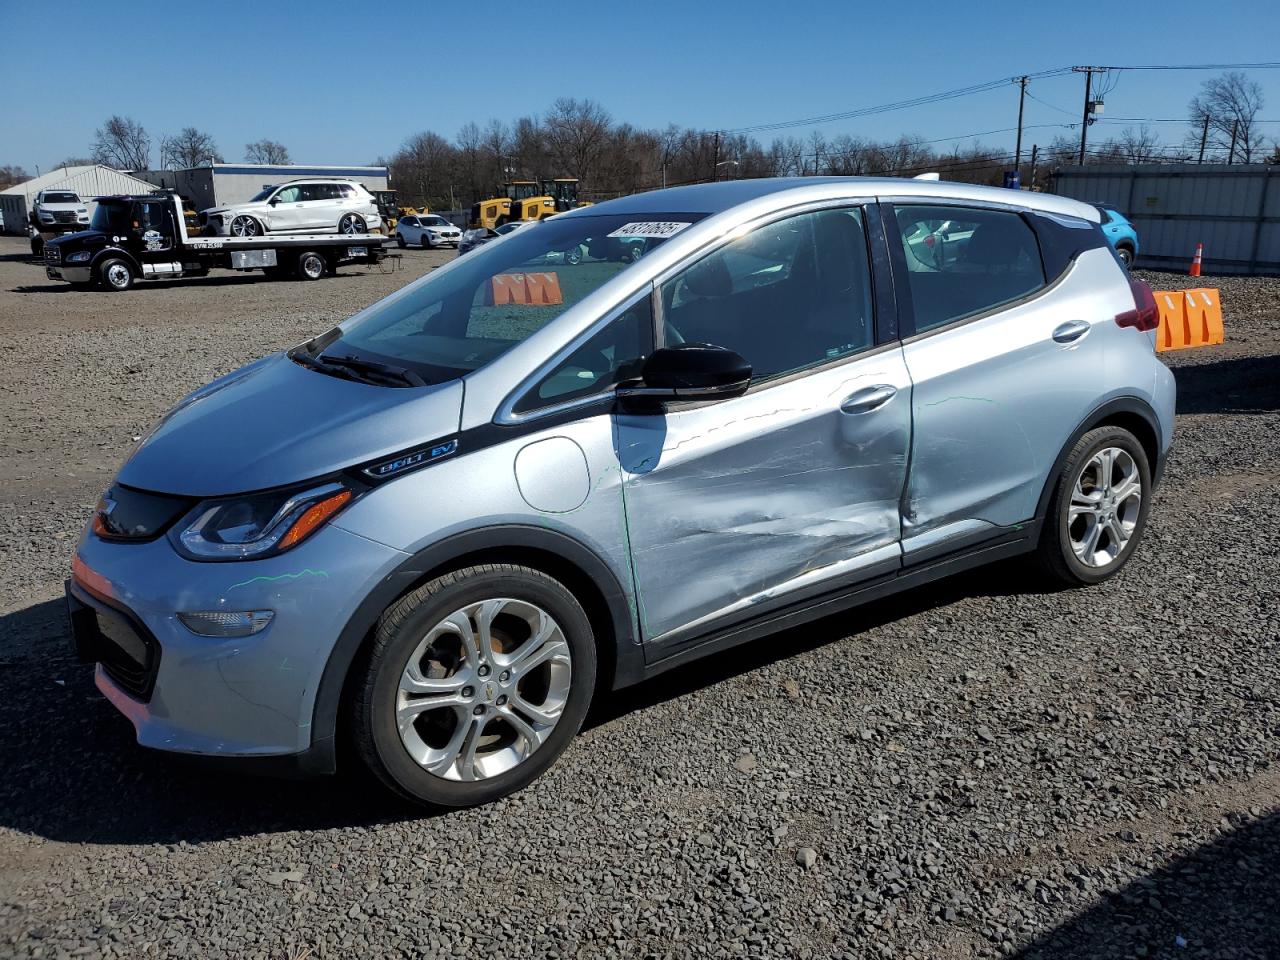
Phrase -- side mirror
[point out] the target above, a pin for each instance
(690, 371)
(273, 201)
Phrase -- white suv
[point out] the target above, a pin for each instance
(299, 206)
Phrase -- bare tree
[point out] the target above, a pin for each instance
(1231, 103)
(266, 151)
(190, 148)
(76, 162)
(420, 168)
(577, 131)
(122, 143)
(9, 175)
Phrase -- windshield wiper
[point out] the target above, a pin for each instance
(307, 360)
(373, 371)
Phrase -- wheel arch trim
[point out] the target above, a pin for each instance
(623, 661)
(1119, 408)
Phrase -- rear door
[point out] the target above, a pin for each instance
(745, 505)
(1007, 358)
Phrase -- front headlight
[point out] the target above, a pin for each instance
(47, 217)
(81, 257)
(257, 525)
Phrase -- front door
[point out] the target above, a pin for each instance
(744, 505)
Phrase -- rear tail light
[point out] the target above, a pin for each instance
(1145, 315)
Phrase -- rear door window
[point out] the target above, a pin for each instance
(964, 261)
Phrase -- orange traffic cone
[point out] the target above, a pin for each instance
(1195, 263)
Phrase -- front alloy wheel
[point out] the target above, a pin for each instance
(244, 226)
(476, 683)
(351, 225)
(484, 689)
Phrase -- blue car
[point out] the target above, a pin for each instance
(1119, 233)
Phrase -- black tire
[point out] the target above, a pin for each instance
(426, 241)
(1055, 553)
(353, 224)
(115, 275)
(1125, 253)
(311, 266)
(400, 241)
(400, 630)
(37, 246)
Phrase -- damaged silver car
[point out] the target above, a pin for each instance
(440, 529)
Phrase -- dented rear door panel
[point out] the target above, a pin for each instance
(747, 504)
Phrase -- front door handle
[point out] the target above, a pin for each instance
(868, 398)
(1071, 331)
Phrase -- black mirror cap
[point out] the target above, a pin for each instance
(696, 370)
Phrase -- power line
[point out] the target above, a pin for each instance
(896, 105)
(1266, 65)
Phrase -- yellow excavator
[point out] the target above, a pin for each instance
(527, 200)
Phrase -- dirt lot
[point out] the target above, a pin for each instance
(981, 768)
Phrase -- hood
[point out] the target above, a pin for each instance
(63, 207)
(274, 423)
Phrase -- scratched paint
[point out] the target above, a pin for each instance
(306, 572)
(727, 501)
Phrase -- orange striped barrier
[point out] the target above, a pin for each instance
(1188, 318)
(530, 289)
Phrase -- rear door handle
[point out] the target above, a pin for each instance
(1071, 331)
(868, 398)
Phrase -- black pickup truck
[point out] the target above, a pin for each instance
(146, 238)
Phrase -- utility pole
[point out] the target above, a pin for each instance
(1204, 137)
(1035, 156)
(1022, 96)
(715, 157)
(1088, 104)
(1235, 128)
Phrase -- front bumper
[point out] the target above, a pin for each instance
(243, 696)
(78, 274)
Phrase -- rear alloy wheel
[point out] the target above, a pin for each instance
(475, 684)
(1099, 508)
(311, 266)
(246, 226)
(116, 275)
(352, 224)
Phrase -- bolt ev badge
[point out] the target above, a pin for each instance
(415, 458)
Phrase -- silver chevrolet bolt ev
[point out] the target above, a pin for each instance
(600, 447)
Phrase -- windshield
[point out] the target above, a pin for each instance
(60, 198)
(435, 221)
(510, 227)
(111, 217)
(502, 293)
(261, 195)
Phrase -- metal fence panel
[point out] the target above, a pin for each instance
(1233, 209)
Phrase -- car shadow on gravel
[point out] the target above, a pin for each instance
(1001, 579)
(71, 770)
(1235, 385)
(1217, 901)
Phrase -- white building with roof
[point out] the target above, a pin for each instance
(89, 181)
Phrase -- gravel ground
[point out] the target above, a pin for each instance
(976, 769)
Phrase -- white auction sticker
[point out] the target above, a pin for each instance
(650, 228)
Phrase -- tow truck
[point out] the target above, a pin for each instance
(147, 237)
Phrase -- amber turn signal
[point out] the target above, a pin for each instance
(314, 517)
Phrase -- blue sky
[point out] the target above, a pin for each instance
(317, 77)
